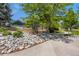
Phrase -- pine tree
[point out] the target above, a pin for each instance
(5, 14)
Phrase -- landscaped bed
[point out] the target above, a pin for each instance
(13, 41)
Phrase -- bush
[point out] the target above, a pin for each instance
(5, 31)
(2, 29)
(17, 34)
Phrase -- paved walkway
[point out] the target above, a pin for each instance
(50, 48)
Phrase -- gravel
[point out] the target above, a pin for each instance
(10, 44)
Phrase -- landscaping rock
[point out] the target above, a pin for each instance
(4, 51)
(1, 38)
(21, 47)
(27, 46)
(9, 43)
(2, 47)
(10, 50)
(1, 35)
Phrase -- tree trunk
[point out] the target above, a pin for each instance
(35, 28)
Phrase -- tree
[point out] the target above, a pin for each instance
(70, 20)
(77, 17)
(46, 12)
(33, 22)
(18, 22)
(4, 13)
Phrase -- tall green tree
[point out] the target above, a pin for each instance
(70, 19)
(46, 12)
(33, 22)
(5, 13)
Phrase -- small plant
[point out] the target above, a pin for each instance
(17, 34)
(2, 29)
(5, 33)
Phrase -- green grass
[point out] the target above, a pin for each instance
(75, 32)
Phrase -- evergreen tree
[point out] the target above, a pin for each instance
(5, 14)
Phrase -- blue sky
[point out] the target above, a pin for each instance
(17, 11)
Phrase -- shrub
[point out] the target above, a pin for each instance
(17, 34)
(2, 29)
(5, 31)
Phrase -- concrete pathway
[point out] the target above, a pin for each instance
(50, 48)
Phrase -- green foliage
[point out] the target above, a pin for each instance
(70, 20)
(5, 31)
(5, 13)
(28, 23)
(75, 32)
(18, 34)
(2, 29)
(44, 13)
(18, 22)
